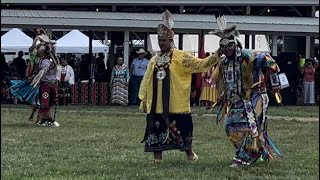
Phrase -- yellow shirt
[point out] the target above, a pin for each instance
(181, 68)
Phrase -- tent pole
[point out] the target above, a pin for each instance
(92, 67)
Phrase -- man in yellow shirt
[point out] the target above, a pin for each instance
(165, 94)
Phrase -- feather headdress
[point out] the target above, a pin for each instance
(165, 27)
(167, 19)
(225, 32)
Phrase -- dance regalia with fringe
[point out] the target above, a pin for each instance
(244, 109)
(42, 95)
(48, 95)
(242, 84)
(23, 90)
(36, 89)
(164, 93)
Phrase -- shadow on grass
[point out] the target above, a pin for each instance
(29, 125)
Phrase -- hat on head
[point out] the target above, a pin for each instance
(227, 34)
(141, 51)
(165, 27)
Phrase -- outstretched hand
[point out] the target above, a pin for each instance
(143, 107)
(220, 52)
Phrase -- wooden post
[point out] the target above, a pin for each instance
(92, 64)
(180, 46)
(90, 43)
(246, 41)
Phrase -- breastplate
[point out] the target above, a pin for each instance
(232, 76)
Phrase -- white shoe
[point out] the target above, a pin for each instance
(55, 124)
(46, 124)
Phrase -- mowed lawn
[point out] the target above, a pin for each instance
(104, 143)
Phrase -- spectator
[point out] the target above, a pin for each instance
(19, 65)
(5, 69)
(119, 83)
(138, 69)
(27, 61)
(208, 90)
(77, 67)
(308, 82)
(301, 61)
(100, 73)
(5, 78)
(65, 76)
(317, 80)
(71, 61)
(84, 71)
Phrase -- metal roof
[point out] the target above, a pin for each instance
(169, 2)
(146, 21)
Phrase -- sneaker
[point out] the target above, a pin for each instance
(55, 124)
(41, 123)
(238, 163)
(46, 124)
(260, 158)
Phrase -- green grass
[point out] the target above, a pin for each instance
(292, 111)
(105, 144)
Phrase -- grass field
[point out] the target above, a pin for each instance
(104, 143)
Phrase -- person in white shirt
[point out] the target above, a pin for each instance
(65, 76)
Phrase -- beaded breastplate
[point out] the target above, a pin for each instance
(163, 61)
(232, 76)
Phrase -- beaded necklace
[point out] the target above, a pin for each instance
(163, 61)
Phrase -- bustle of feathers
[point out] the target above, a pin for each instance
(167, 19)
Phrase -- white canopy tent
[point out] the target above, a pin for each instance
(15, 40)
(78, 43)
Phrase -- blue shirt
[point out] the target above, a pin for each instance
(139, 66)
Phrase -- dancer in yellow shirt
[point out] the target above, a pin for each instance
(165, 94)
